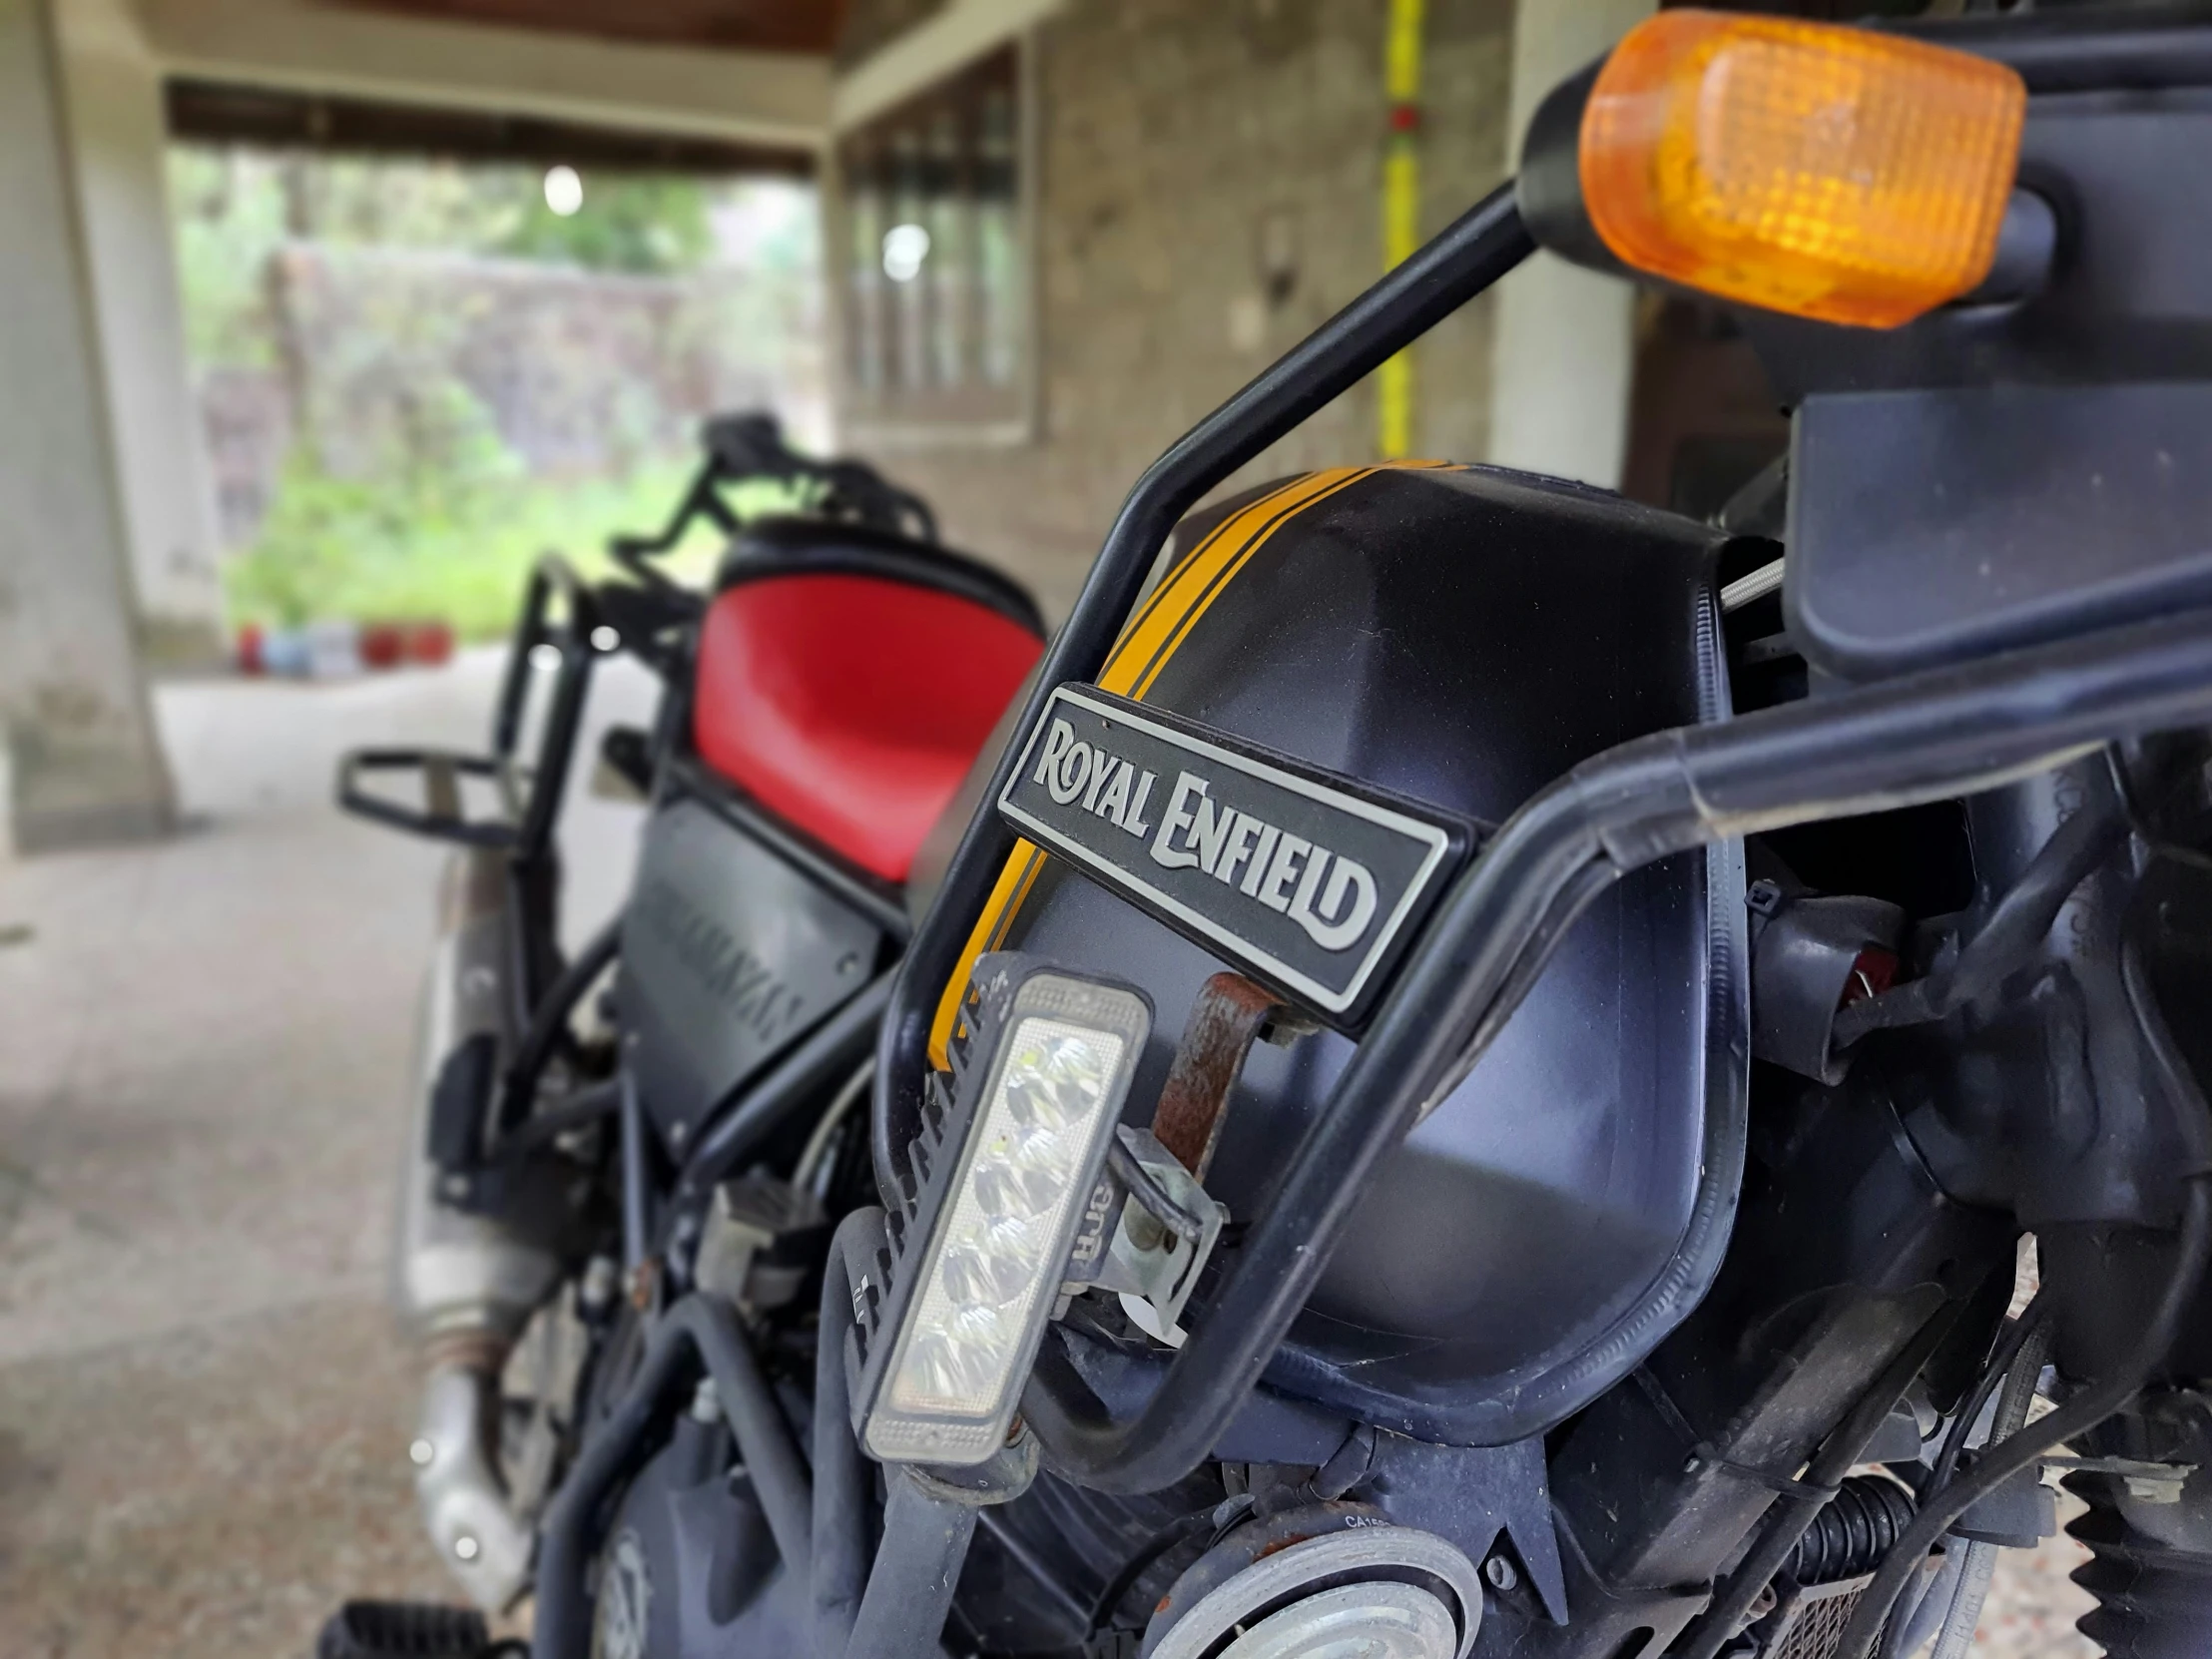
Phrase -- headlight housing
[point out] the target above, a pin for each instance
(1000, 1183)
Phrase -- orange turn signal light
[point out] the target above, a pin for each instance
(1832, 172)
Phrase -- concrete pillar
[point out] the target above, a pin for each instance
(1565, 338)
(83, 758)
(117, 143)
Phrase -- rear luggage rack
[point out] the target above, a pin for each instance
(532, 793)
(442, 815)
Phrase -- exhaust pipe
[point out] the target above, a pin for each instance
(464, 1284)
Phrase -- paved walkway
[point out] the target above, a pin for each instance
(203, 1052)
(203, 1048)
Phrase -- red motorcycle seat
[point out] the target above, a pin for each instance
(851, 706)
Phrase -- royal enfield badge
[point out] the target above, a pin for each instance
(1306, 879)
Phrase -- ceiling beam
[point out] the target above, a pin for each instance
(776, 99)
(954, 37)
(275, 118)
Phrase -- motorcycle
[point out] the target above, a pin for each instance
(1458, 1065)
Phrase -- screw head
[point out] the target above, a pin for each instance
(467, 1548)
(706, 1406)
(601, 1279)
(422, 1454)
(1500, 1573)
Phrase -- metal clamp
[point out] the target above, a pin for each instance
(1167, 1229)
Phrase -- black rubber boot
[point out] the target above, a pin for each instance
(402, 1630)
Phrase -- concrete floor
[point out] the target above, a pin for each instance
(203, 1046)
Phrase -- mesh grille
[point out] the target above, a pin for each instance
(1818, 1627)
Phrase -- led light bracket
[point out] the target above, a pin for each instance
(1146, 1233)
(990, 1198)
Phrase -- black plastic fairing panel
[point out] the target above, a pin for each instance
(2005, 516)
(1998, 475)
(1461, 637)
(728, 954)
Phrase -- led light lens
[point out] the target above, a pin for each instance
(1835, 173)
(999, 1247)
(1008, 1218)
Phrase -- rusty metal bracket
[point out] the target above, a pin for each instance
(1229, 1015)
(1150, 1227)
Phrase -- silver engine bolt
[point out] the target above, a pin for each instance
(1500, 1573)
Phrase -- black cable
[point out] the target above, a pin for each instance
(1794, 1512)
(587, 1105)
(549, 1023)
(2000, 1463)
(2020, 919)
(2003, 1357)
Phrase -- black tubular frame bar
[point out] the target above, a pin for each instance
(551, 577)
(532, 862)
(1474, 252)
(1926, 737)
(1920, 738)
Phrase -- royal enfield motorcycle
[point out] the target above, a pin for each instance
(1471, 1066)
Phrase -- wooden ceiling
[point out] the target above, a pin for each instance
(748, 25)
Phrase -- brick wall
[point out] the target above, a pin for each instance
(1178, 140)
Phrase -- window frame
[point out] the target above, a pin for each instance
(863, 424)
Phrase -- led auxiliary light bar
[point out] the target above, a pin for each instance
(1038, 1082)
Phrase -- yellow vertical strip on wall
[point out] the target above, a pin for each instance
(1393, 395)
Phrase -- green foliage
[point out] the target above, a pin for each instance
(232, 208)
(333, 547)
(422, 511)
(652, 226)
(228, 219)
(370, 202)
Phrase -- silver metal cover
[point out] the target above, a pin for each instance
(1308, 880)
(1368, 1556)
